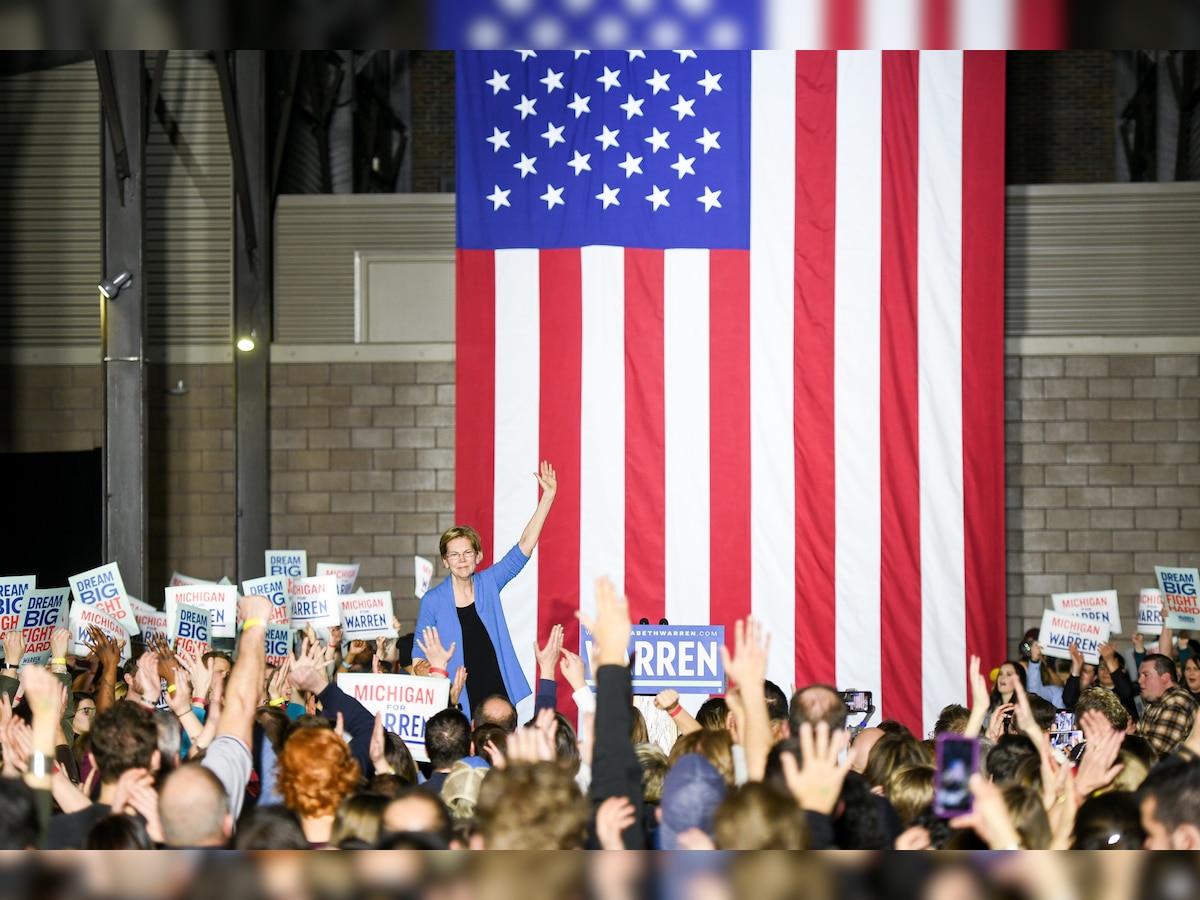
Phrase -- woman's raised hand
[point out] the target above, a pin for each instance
(547, 478)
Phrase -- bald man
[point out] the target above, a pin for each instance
(194, 809)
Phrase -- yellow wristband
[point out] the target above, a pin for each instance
(250, 623)
(279, 701)
(58, 661)
(172, 688)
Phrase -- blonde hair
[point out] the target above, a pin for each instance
(531, 806)
(759, 816)
(910, 790)
(716, 746)
(460, 531)
(654, 764)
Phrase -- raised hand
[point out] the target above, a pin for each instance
(278, 687)
(817, 783)
(547, 478)
(431, 646)
(1076, 658)
(378, 747)
(611, 627)
(60, 640)
(536, 743)
(1099, 765)
(748, 663)
(667, 699)
(43, 692)
(547, 655)
(571, 665)
(989, 817)
(14, 647)
(180, 699)
(308, 670)
(613, 817)
(456, 687)
(199, 672)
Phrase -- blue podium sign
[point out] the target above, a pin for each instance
(686, 658)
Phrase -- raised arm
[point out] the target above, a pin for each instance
(549, 482)
(246, 678)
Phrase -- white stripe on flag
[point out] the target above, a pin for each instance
(939, 338)
(856, 369)
(686, 435)
(602, 423)
(516, 434)
(772, 346)
(888, 24)
(796, 25)
(985, 24)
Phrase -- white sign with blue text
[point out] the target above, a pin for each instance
(367, 616)
(1098, 605)
(1181, 605)
(685, 658)
(274, 587)
(43, 611)
(103, 589)
(314, 601)
(13, 589)
(1060, 629)
(218, 599)
(405, 701)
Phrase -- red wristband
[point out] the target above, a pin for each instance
(674, 710)
(199, 701)
(442, 672)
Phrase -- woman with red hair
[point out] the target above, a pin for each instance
(316, 773)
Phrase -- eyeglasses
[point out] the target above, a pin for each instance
(463, 555)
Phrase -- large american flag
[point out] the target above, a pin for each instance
(750, 306)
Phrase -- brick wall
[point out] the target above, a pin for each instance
(1061, 117)
(362, 466)
(1103, 479)
(50, 408)
(432, 119)
(190, 473)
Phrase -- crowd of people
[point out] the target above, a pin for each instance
(225, 751)
(168, 750)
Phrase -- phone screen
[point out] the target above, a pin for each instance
(1064, 720)
(1066, 740)
(857, 701)
(957, 760)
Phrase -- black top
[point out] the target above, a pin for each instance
(479, 656)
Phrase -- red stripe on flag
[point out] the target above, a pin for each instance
(900, 467)
(937, 24)
(475, 377)
(983, 352)
(561, 344)
(1041, 25)
(645, 436)
(816, 165)
(729, 436)
(843, 20)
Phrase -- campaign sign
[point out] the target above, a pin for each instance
(345, 573)
(153, 622)
(1059, 629)
(1098, 605)
(178, 578)
(367, 616)
(13, 589)
(1150, 602)
(686, 658)
(292, 563)
(275, 587)
(103, 589)
(423, 569)
(314, 601)
(42, 612)
(140, 605)
(279, 644)
(191, 628)
(1181, 606)
(406, 701)
(219, 599)
(83, 615)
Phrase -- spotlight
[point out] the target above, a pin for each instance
(109, 288)
(246, 342)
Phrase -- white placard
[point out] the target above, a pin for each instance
(406, 701)
(41, 612)
(82, 616)
(1181, 606)
(191, 629)
(1059, 629)
(345, 573)
(314, 601)
(367, 616)
(140, 605)
(1098, 605)
(219, 599)
(178, 578)
(13, 589)
(1150, 602)
(151, 621)
(275, 588)
(279, 644)
(292, 563)
(103, 589)
(424, 574)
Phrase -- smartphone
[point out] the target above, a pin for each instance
(1064, 720)
(957, 761)
(857, 701)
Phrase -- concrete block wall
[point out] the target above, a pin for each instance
(50, 408)
(190, 472)
(1103, 476)
(362, 466)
